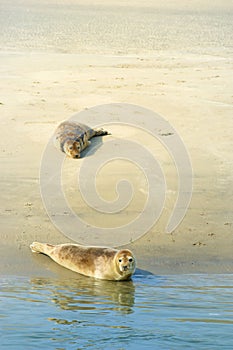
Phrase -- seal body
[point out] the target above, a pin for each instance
(99, 262)
(72, 138)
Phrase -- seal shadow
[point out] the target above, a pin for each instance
(96, 143)
(142, 275)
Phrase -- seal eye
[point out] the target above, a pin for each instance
(120, 260)
(130, 259)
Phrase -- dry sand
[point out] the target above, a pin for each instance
(190, 87)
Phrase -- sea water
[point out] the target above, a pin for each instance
(149, 312)
(110, 28)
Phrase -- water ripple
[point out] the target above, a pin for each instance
(150, 312)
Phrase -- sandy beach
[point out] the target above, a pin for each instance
(175, 60)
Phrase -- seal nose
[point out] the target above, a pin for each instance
(125, 267)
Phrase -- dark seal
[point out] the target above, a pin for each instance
(72, 138)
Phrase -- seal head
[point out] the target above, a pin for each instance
(72, 148)
(125, 263)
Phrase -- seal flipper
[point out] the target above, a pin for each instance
(43, 248)
(100, 132)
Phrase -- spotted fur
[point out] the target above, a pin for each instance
(99, 262)
(72, 137)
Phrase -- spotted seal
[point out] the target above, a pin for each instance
(99, 262)
(72, 137)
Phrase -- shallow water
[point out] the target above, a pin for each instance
(150, 312)
(81, 28)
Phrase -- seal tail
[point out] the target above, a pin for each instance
(44, 248)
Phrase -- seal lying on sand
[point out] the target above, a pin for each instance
(72, 138)
(98, 262)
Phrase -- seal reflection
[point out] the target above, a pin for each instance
(85, 294)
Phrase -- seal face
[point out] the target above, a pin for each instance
(125, 261)
(72, 138)
(99, 262)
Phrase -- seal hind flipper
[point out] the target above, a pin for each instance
(42, 248)
(100, 132)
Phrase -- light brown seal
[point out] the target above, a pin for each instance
(98, 262)
(72, 137)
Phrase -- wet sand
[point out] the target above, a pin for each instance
(190, 86)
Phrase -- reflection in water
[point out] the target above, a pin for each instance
(150, 312)
(85, 293)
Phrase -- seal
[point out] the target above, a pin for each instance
(72, 138)
(99, 262)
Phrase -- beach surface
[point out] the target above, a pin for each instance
(61, 58)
